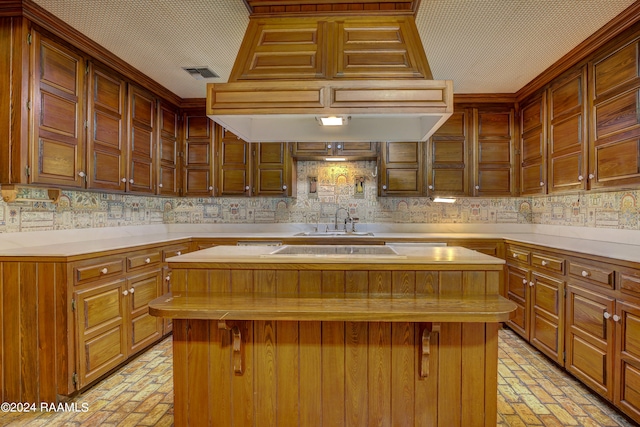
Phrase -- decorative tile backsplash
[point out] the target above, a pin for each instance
(321, 188)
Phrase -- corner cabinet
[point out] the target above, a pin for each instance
(253, 169)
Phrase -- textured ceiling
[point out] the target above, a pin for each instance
(484, 46)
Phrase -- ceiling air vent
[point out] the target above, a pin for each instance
(200, 73)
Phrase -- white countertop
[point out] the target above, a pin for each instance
(616, 244)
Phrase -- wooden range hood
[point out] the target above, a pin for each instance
(370, 69)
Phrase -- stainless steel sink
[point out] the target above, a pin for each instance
(334, 234)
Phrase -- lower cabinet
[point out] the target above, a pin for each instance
(627, 375)
(143, 329)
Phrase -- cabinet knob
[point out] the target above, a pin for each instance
(160, 185)
(384, 187)
(246, 188)
(591, 176)
(339, 146)
(167, 278)
(82, 174)
(477, 187)
(431, 187)
(616, 318)
(541, 184)
(544, 263)
(531, 284)
(147, 261)
(585, 273)
(328, 145)
(284, 187)
(515, 255)
(132, 290)
(179, 253)
(104, 270)
(211, 188)
(580, 177)
(606, 315)
(125, 292)
(131, 181)
(124, 180)
(524, 281)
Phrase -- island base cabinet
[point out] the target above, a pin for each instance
(312, 373)
(627, 393)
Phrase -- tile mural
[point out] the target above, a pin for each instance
(321, 188)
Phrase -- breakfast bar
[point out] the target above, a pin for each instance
(335, 335)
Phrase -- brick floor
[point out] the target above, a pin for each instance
(532, 391)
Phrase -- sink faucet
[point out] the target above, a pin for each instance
(347, 219)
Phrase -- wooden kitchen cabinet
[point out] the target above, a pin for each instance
(57, 154)
(198, 160)
(107, 150)
(447, 157)
(169, 150)
(401, 169)
(533, 146)
(536, 284)
(627, 375)
(253, 169)
(142, 128)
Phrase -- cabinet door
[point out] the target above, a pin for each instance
(144, 328)
(614, 140)
(518, 291)
(567, 147)
(142, 128)
(58, 145)
(447, 157)
(168, 150)
(359, 150)
(493, 153)
(101, 330)
(198, 154)
(106, 143)
(312, 149)
(590, 335)
(272, 169)
(233, 165)
(533, 151)
(402, 169)
(627, 392)
(547, 315)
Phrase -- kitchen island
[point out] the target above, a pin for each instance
(335, 335)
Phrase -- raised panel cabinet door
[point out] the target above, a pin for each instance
(357, 149)
(142, 144)
(547, 315)
(273, 167)
(517, 286)
(144, 328)
(312, 150)
(401, 169)
(101, 332)
(447, 157)
(168, 151)
(106, 141)
(198, 175)
(493, 152)
(627, 391)
(57, 155)
(533, 146)
(614, 139)
(567, 145)
(234, 176)
(590, 338)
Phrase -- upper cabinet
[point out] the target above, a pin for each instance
(198, 165)
(401, 169)
(533, 146)
(168, 164)
(57, 114)
(614, 143)
(493, 151)
(142, 133)
(322, 150)
(447, 157)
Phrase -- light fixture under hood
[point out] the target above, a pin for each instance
(292, 70)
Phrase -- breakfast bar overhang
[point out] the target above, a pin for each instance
(401, 336)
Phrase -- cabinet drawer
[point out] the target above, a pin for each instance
(518, 254)
(547, 262)
(174, 251)
(600, 275)
(630, 283)
(97, 268)
(145, 259)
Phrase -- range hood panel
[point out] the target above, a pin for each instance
(304, 128)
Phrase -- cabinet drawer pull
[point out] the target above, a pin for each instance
(544, 263)
(524, 281)
(585, 273)
(132, 290)
(148, 260)
(104, 270)
(125, 292)
(179, 253)
(531, 284)
(167, 278)
(616, 318)
(606, 315)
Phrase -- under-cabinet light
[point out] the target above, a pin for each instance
(444, 200)
(332, 120)
(335, 159)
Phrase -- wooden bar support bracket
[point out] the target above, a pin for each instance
(237, 346)
(425, 347)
